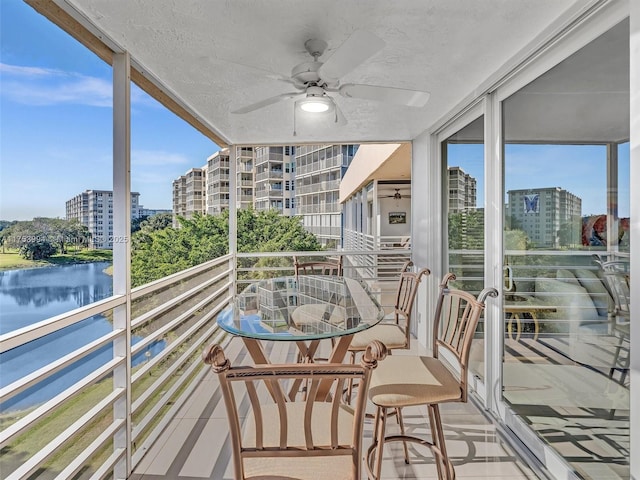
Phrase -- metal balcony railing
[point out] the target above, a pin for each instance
(84, 427)
(147, 371)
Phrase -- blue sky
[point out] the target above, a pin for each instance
(55, 119)
(56, 123)
(579, 169)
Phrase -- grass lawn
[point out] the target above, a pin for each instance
(11, 260)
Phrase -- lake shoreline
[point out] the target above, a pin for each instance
(12, 261)
(31, 295)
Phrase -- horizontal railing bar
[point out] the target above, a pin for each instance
(151, 415)
(31, 465)
(106, 468)
(151, 287)
(146, 317)
(170, 371)
(142, 371)
(552, 253)
(32, 332)
(171, 413)
(10, 432)
(323, 253)
(79, 462)
(178, 320)
(27, 381)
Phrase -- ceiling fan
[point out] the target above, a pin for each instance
(317, 82)
(397, 195)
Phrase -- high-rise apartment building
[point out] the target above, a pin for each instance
(244, 177)
(94, 210)
(319, 169)
(302, 180)
(217, 182)
(179, 199)
(150, 212)
(275, 179)
(189, 194)
(551, 217)
(196, 191)
(462, 190)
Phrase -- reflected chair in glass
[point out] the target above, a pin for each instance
(285, 439)
(311, 311)
(616, 276)
(409, 380)
(318, 268)
(395, 334)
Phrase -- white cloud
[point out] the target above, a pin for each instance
(27, 71)
(156, 158)
(46, 86)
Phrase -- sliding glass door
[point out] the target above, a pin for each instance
(566, 257)
(463, 160)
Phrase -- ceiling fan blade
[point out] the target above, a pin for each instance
(266, 102)
(399, 96)
(356, 49)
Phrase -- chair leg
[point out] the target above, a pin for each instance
(352, 359)
(437, 433)
(404, 444)
(381, 421)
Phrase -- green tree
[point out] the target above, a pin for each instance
(516, 240)
(4, 232)
(159, 221)
(158, 253)
(41, 237)
(466, 230)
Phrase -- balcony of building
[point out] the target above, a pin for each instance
(563, 401)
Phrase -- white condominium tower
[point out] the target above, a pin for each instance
(94, 210)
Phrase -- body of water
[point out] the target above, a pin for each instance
(31, 295)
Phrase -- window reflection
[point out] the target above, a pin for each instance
(464, 156)
(566, 219)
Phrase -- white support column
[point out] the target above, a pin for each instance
(634, 427)
(427, 228)
(122, 250)
(493, 259)
(233, 215)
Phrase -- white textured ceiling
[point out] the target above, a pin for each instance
(217, 56)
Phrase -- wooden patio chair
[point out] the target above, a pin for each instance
(409, 380)
(293, 439)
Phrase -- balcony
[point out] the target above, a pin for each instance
(168, 386)
(175, 407)
(549, 60)
(318, 187)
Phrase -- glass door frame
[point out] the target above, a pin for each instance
(488, 393)
(472, 113)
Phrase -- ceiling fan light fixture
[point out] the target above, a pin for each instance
(315, 104)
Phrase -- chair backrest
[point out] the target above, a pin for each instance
(278, 428)
(318, 268)
(616, 276)
(456, 318)
(406, 295)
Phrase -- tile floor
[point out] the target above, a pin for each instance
(196, 443)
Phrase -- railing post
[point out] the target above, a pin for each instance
(233, 216)
(122, 254)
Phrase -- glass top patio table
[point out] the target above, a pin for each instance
(307, 307)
